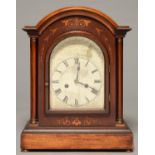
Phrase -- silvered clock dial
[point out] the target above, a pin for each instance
(77, 75)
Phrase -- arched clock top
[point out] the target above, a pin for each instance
(68, 12)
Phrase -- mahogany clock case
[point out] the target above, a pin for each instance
(66, 130)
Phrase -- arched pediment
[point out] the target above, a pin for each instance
(109, 23)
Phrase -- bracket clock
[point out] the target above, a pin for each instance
(76, 60)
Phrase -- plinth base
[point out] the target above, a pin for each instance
(113, 138)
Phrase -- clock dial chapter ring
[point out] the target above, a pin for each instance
(69, 90)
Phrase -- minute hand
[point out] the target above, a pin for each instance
(77, 75)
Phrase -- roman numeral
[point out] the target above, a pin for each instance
(58, 71)
(55, 81)
(76, 60)
(65, 99)
(94, 71)
(97, 81)
(76, 102)
(65, 63)
(94, 91)
(58, 91)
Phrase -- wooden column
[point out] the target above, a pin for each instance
(33, 69)
(120, 80)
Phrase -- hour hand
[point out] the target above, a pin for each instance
(83, 84)
(93, 90)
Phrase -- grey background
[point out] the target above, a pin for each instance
(124, 12)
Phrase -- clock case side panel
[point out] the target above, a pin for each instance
(34, 45)
(76, 26)
(119, 36)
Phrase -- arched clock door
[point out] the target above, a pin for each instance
(77, 82)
